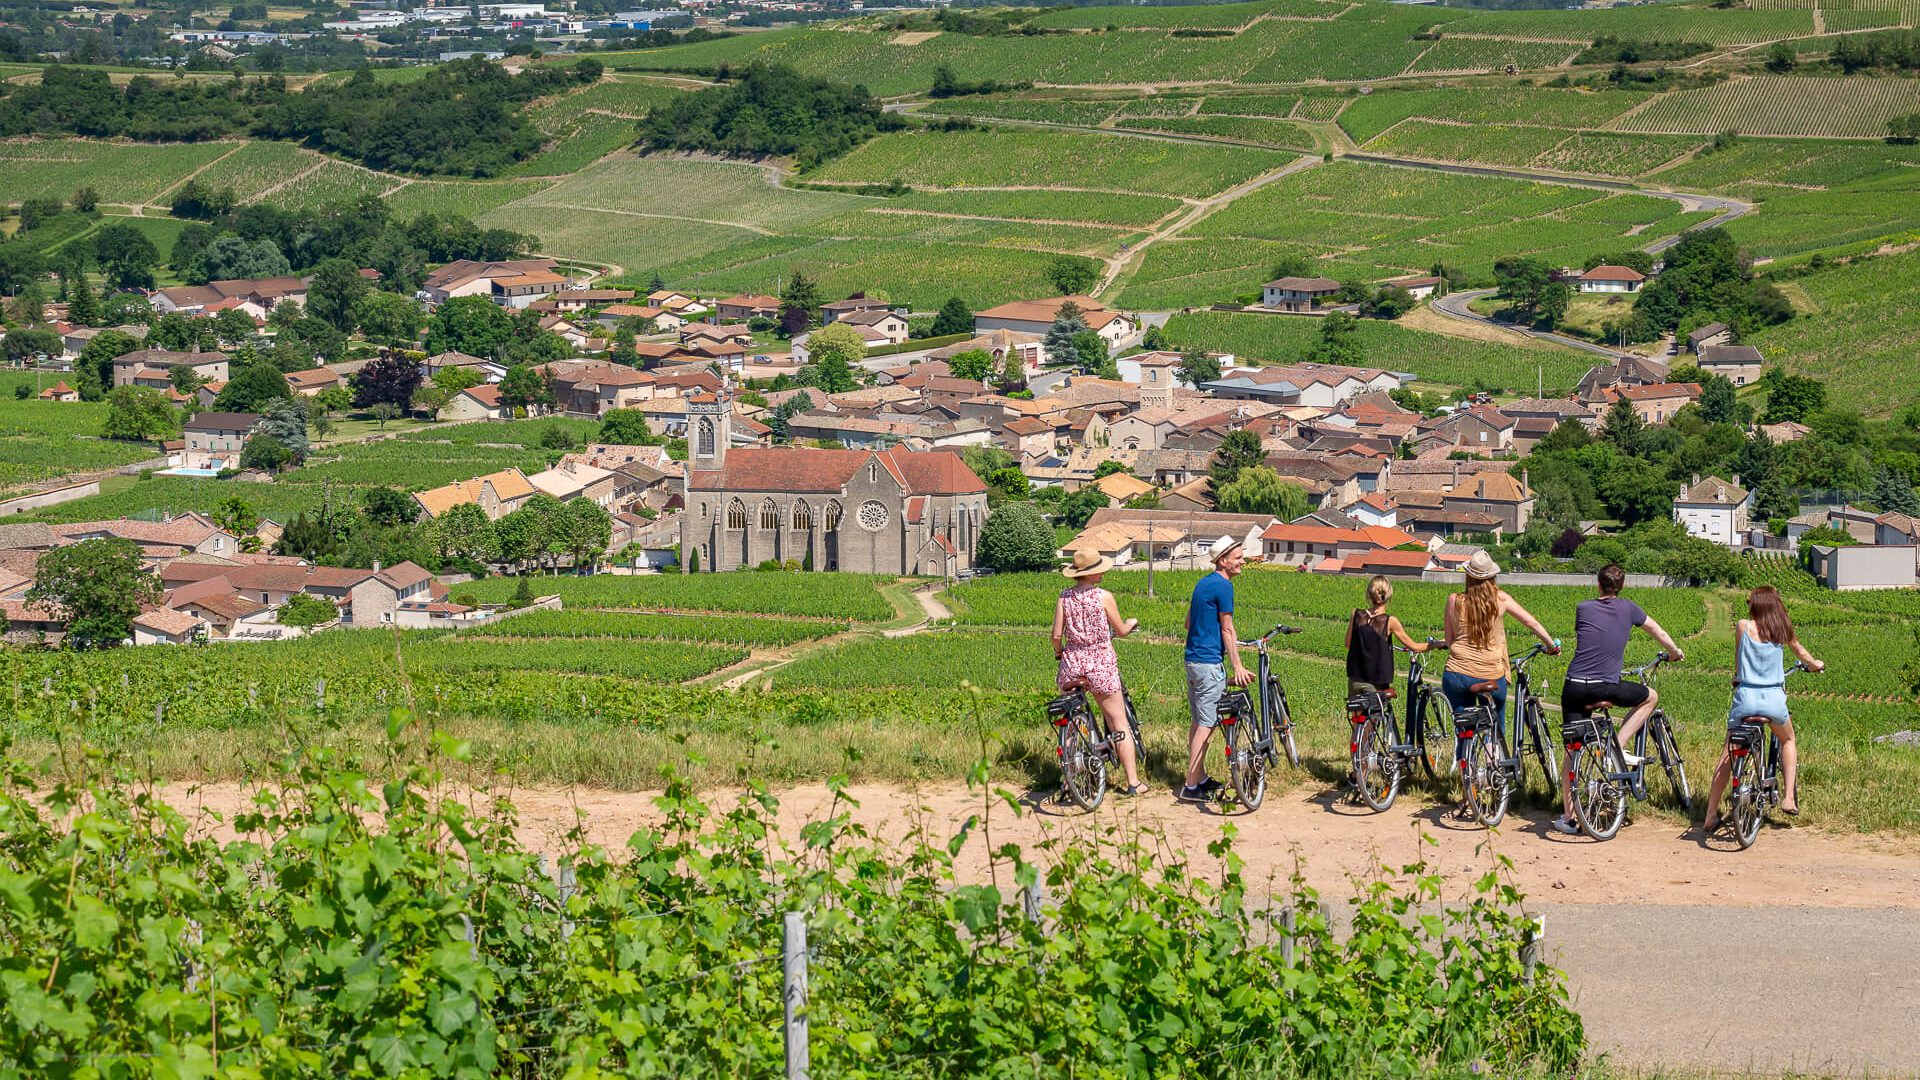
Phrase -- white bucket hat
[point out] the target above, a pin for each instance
(1222, 547)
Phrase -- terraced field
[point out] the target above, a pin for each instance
(1491, 54)
(1369, 115)
(1859, 340)
(1778, 105)
(1653, 22)
(1048, 159)
(122, 172)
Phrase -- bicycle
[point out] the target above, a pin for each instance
(1601, 779)
(1247, 764)
(1381, 762)
(1753, 785)
(1086, 748)
(1496, 762)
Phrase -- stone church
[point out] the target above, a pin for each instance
(865, 511)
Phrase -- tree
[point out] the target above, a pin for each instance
(30, 306)
(96, 586)
(455, 379)
(125, 256)
(390, 319)
(138, 412)
(233, 327)
(1077, 508)
(1058, 341)
(428, 400)
(384, 411)
(265, 453)
(1388, 302)
(334, 399)
(95, 366)
(1010, 482)
(24, 345)
(1239, 450)
(83, 307)
(334, 292)
(306, 611)
(389, 507)
(1016, 538)
(1623, 427)
(464, 532)
(1893, 491)
(391, 378)
(474, 325)
(954, 318)
(1071, 274)
(1637, 491)
(1717, 402)
(321, 424)
(1781, 58)
(523, 388)
(797, 303)
(230, 255)
(1107, 468)
(831, 353)
(1521, 280)
(783, 414)
(1259, 490)
(1090, 349)
(252, 388)
(1197, 367)
(1339, 341)
(625, 427)
(1555, 298)
(86, 200)
(1791, 397)
(584, 531)
(285, 420)
(974, 365)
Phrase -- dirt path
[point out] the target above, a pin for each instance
(1803, 952)
(1120, 266)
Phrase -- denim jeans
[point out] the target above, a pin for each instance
(1454, 685)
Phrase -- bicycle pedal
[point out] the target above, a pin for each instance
(1403, 750)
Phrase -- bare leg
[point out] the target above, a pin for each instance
(1722, 773)
(1197, 754)
(1114, 707)
(1789, 766)
(1635, 719)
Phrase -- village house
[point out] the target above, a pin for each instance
(677, 302)
(154, 367)
(313, 381)
(886, 512)
(1481, 428)
(1627, 371)
(1025, 349)
(487, 370)
(182, 534)
(1738, 364)
(1499, 495)
(1299, 294)
(1551, 411)
(1714, 333)
(215, 439)
(74, 341)
(1036, 317)
(588, 388)
(1321, 385)
(498, 494)
(1655, 402)
(255, 296)
(1026, 438)
(878, 327)
(1420, 287)
(1176, 527)
(694, 334)
(1612, 279)
(476, 403)
(663, 321)
(1127, 541)
(570, 300)
(523, 279)
(1785, 431)
(60, 391)
(742, 308)
(1121, 487)
(572, 480)
(1293, 544)
(836, 310)
(1714, 509)
(166, 626)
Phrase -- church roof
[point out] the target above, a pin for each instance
(928, 472)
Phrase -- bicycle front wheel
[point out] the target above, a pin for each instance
(1423, 731)
(1083, 769)
(1246, 767)
(1671, 761)
(1488, 786)
(1599, 802)
(1748, 809)
(1273, 699)
(1543, 741)
(1376, 773)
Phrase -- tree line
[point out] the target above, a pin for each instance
(769, 109)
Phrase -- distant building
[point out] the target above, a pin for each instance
(1714, 333)
(1612, 279)
(215, 439)
(1739, 364)
(1297, 293)
(1717, 510)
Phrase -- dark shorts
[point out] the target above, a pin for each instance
(1578, 699)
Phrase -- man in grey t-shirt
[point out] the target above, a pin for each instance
(1601, 629)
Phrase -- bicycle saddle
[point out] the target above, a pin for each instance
(1388, 692)
(1483, 687)
(1598, 705)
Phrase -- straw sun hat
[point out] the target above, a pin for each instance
(1481, 567)
(1087, 564)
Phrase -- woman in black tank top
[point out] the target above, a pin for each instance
(1370, 635)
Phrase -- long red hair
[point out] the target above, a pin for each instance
(1769, 615)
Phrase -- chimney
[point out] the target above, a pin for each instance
(376, 566)
(1736, 479)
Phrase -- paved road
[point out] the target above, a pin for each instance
(1773, 990)
(1454, 306)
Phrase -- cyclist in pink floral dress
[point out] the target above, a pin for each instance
(1085, 621)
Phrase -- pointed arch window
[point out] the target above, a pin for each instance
(833, 517)
(736, 515)
(705, 445)
(769, 515)
(802, 517)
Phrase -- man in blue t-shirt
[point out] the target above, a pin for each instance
(1210, 644)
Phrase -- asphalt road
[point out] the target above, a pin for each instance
(1454, 306)
(1773, 990)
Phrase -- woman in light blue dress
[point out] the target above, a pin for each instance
(1761, 642)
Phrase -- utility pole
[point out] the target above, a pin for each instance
(1149, 554)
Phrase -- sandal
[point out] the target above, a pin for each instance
(1463, 813)
(1131, 792)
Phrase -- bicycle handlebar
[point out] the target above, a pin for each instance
(1282, 628)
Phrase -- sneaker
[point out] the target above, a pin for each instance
(1633, 761)
(1205, 791)
(1564, 826)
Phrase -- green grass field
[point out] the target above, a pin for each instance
(123, 173)
(1049, 160)
(1432, 357)
(1773, 105)
(42, 440)
(1860, 339)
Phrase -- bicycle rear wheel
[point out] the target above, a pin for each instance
(1139, 738)
(1376, 772)
(1246, 766)
(1670, 759)
(1543, 742)
(1432, 716)
(1749, 809)
(1489, 788)
(1599, 802)
(1083, 769)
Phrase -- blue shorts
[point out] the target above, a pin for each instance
(1454, 685)
(1205, 684)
